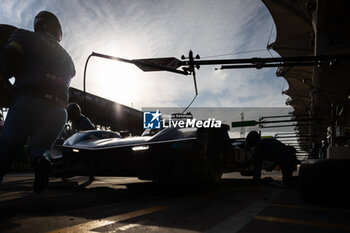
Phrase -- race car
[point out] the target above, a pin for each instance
(172, 154)
(169, 154)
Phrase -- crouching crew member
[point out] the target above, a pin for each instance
(43, 71)
(79, 121)
(270, 149)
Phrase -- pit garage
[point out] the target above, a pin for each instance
(321, 92)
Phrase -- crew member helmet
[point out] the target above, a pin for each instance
(252, 138)
(74, 111)
(47, 22)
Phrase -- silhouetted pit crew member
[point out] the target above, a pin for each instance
(79, 121)
(43, 71)
(270, 149)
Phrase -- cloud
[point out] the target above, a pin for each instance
(162, 28)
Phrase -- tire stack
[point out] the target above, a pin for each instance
(325, 180)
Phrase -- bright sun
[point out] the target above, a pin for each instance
(115, 80)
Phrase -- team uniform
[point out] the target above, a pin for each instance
(82, 123)
(43, 71)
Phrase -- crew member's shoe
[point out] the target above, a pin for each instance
(42, 173)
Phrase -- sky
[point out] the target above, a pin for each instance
(134, 29)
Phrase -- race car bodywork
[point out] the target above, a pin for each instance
(171, 154)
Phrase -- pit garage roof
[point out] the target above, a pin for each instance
(306, 28)
(108, 113)
(100, 111)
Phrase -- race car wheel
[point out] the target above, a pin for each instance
(214, 170)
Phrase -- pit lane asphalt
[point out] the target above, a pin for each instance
(117, 204)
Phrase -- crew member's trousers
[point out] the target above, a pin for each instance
(33, 120)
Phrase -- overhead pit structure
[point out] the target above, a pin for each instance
(315, 28)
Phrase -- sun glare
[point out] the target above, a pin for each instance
(119, 82)
(126, 84)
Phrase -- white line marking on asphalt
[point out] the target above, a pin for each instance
(127, 227)
(237, 221)
(89, 226)
(303, 222)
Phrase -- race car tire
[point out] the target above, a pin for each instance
(214, 171)
(214, 156)
(324, 180)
